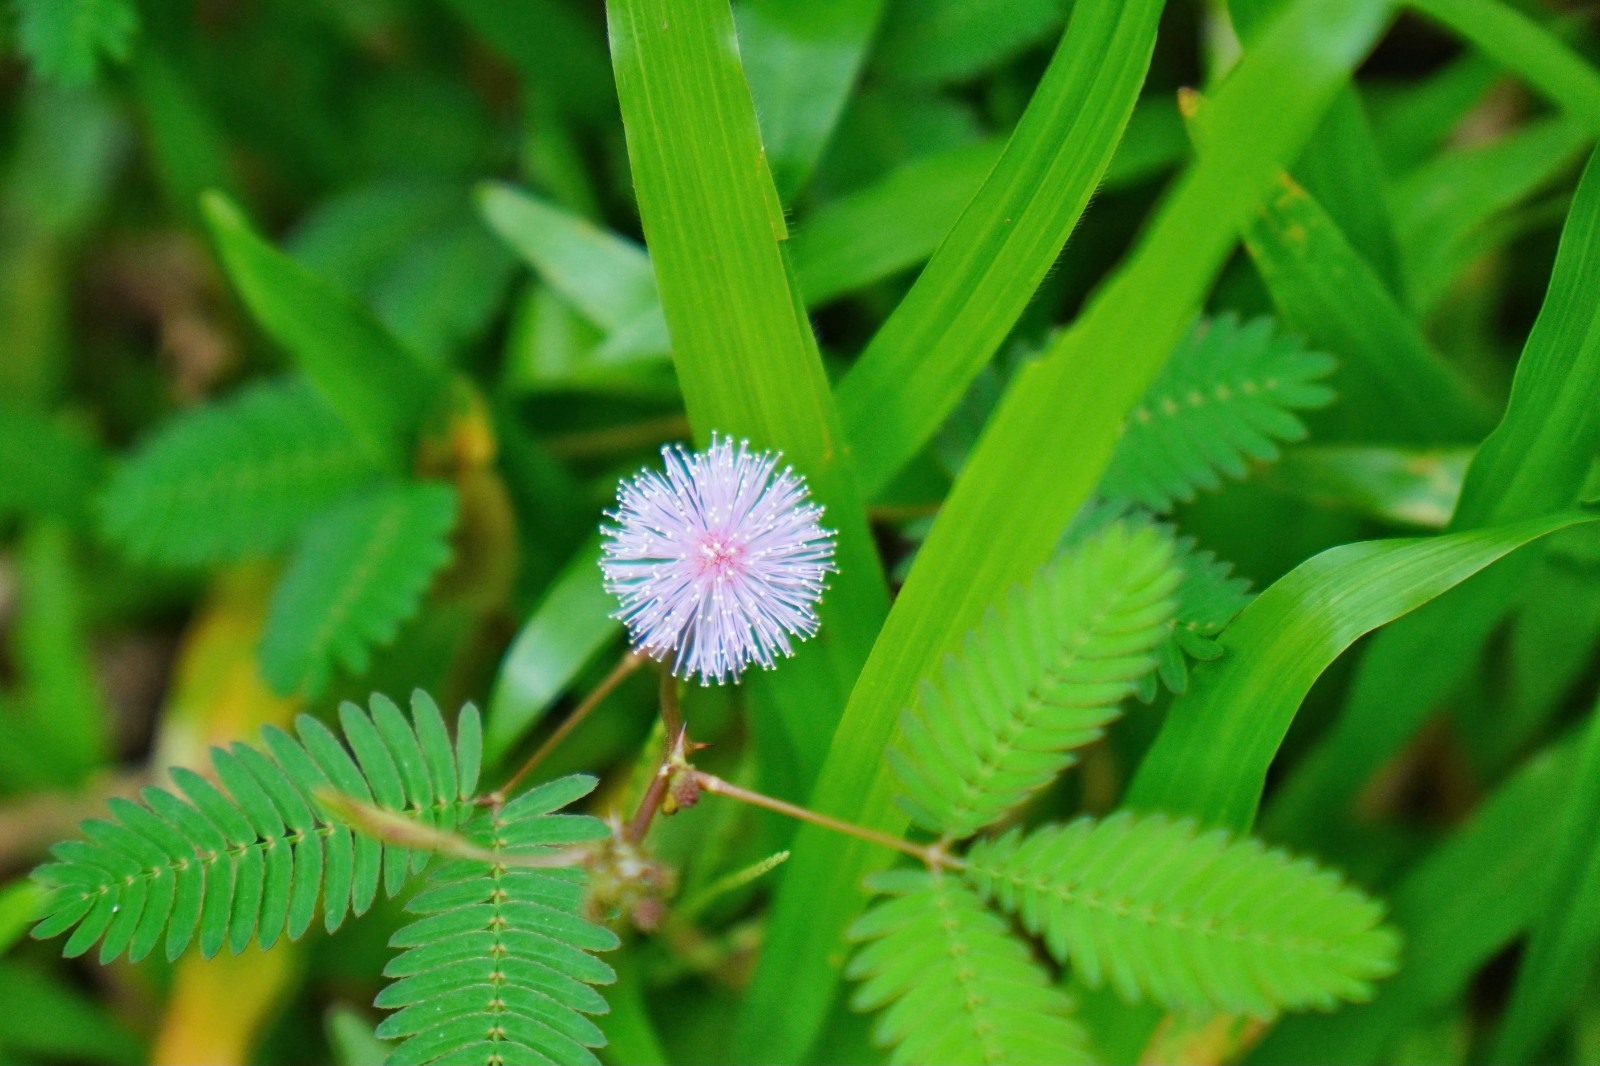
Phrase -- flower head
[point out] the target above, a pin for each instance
(720, 559)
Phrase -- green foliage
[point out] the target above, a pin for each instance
(234, 478)
(753, 368)
(1209, 596)
(50, 1018)
(497, 966)
(955, 984)
(564, 632)
(1155, 907)
(1039, 677)
(259, 858)
(968, 298)
(948, 39)
(356, 445)
(358, 573)
(1563, 938)
(379, 388)
(1397, 387)
(47, 467)
(600, 274)
(66, 40)
(1034, 467)
(1217, 743)
(1226, 396)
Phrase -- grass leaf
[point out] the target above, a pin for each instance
(802, 61)
(1457, 908)
(66, 40)
(567, 629)
(1211, 757)
(747, 362)
(969, 296)
(1566, 930)
(378, 387)
(1035, 466)
(1517, 41)
(1535, 461)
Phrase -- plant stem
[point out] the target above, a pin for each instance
(933, 855)
(672, 754)
(625, 666)
(639, 824)
(671, 710)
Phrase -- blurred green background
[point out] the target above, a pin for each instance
(455, 171)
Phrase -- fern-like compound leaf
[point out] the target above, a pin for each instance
(1191, 919)
(256, 856)
(954, 984)
(498, 966)
(359, 573)
(1226, 396)
(1209, 596)
(1037, 678)
(237, 478)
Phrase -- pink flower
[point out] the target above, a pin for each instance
(720, 560)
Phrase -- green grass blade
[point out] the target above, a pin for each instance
(1396, 486)
(379, 387)
(802, 61)
(888, 226)
(1411, 126)
(1211, 756)
(188, 152)
(1444, 208)
(970, 294)
(1344, 170)
(20, 902)
(49, 1019)
(1392, 384)
(1538, 456)
(566, 631)
(1566, 932)
(1521, 44)
(746, 359)
(937, 41)
(1406, 672)
(1455, 909)
(1037, 463)
(1341, 166)
(1534, 462)
(601, 274)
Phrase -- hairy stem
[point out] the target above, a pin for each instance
(639, 824)
(625, 666)
(673, 750)
(671, 709)
(933, 855)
